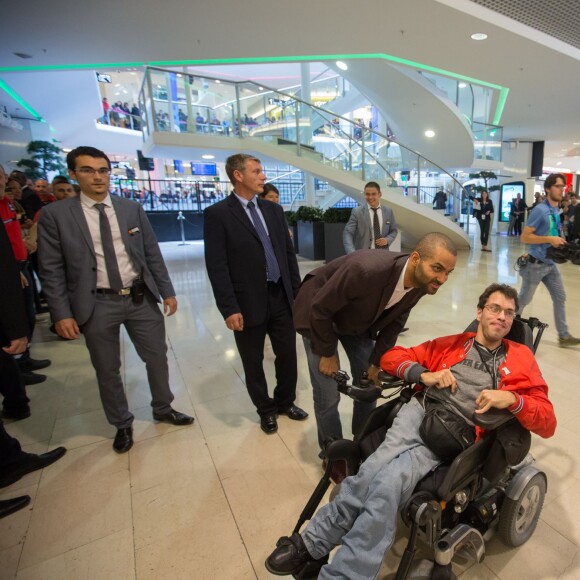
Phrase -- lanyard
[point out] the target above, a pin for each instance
(492, 374)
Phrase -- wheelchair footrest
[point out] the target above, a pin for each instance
(311, 569)
(460, 537)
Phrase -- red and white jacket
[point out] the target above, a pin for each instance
(519, 373)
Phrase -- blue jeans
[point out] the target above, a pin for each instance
(363, 516)
(325, 391)
(549, 275)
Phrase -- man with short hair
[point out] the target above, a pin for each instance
(542, 231)
(473, 373)
(371, 225)
(253, 271)
(62, 188)
(362, 300)
(101, 268)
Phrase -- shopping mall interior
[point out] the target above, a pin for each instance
(419, 95)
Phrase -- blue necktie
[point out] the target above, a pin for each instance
(273, 273)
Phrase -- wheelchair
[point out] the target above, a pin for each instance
(454, 510)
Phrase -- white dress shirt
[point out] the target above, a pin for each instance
(400, 289)
(126, 267)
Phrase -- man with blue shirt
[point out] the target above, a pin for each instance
(542, 231)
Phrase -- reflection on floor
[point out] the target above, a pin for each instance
(209, 501)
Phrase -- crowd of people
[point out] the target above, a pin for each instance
(93, 260)
(119, 114)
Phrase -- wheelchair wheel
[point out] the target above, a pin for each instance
(518, 518)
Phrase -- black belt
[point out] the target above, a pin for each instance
(22, 264)
(533, 260)
(122, 292)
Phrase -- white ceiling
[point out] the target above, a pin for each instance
(541, 71)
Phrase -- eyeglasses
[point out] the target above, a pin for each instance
(495, 309)
(90, 171)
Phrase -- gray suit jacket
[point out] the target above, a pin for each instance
(68, 265)
(358, 232)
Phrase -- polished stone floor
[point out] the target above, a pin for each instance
(209, 501)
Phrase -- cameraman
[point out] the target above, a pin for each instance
(542, 231)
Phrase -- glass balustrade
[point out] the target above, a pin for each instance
(183, 103)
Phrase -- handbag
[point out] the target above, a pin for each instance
(444, 432)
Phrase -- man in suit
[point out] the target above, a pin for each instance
(362, 300)
(101, 267)
(253, 271)
(372, 225)
(14, 463)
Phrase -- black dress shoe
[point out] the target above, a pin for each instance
(9, 506)
(30, 365)
(173, 417)
(15, 414)
(123, 440)
(295, 413)
(32, 378)
(289, 556)
(268, 424)
(28, 463)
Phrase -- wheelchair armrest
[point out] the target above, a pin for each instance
(492, 419)
(389, 381)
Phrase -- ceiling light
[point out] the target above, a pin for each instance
(217, 81)
(429, 133)
(559, 163)
(479, 36)
(341, 65)
(208, 156)
(462, 85)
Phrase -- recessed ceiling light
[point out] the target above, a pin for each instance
(208, 156)
(261, 88)
(559, 163)
(217, 81)
(479, 36)
(462, 85)
(575, 143)
(341, 65)
(429, 133)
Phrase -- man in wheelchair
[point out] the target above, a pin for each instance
(480, 378)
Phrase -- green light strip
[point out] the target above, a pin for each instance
(20, 101)
(274, 59)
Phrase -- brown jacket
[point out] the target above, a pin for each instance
(348, 297)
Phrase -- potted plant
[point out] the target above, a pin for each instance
(335, 220)
(293, 225)
(310, 232)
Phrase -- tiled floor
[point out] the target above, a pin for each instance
(209, 501)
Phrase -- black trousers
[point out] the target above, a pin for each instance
(518, 225)
(10, 450)
(11, 385)
(250, 342)
(484, 226)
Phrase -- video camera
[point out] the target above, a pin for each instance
(564, 253)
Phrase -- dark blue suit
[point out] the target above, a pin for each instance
(236, 266)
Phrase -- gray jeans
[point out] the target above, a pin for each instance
(363, 516)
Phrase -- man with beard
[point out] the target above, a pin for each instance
(542, 231)
(362, 300)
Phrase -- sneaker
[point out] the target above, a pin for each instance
(568, 340)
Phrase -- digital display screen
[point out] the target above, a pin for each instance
(508, 193)
(203, 169)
